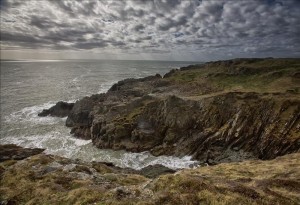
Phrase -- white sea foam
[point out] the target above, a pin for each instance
(63, 144)
(55, 142)
(75, 79)
(132, 160)
(30, 115)
(60, 142)
(144, 159)
(72, 101)
(104, 87)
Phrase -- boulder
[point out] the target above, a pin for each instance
(61, 109)
(153, 171)
(14, 152)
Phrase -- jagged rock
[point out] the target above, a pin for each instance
(82, 132)
(80, 117)
(131, 81)
(80, 114)
(152, 171)
(198, 109)
(170, 73)
(61, 109)
(14, 152)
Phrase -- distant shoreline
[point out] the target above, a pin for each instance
(87, 60)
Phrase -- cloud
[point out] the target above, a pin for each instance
(253, 27)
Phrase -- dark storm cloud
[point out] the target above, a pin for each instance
(27, 41)
(253, 26)
(45, 23)
(75, 7)
(90, 45)
(6, 4)
(21, 37)
(139, 27)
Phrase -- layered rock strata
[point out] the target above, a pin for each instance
(217, 112)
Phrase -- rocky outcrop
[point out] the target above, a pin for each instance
(14, 152)
(61, 109)
(153, 171)
(131, 81)
(80, 117)
(229, 127)
(217, 112)
(82, 114)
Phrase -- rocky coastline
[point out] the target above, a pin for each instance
(216, 112)
(240, 115)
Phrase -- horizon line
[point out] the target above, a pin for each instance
(96, 60)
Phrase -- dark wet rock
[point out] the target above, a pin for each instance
(61, 109)
(109, 164)
(14, 152)
(153, 171)
(81, 132)
(9, 202)
(80, 117)
(80, 114)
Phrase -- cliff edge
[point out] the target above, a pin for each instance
(217, 112)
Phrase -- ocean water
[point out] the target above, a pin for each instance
(28, 87)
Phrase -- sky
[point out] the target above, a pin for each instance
(188, 30)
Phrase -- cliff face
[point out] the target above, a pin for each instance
(216, 112)
(231, 126)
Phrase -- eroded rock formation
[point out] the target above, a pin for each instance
(217, 112)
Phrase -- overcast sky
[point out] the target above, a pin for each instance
(151, 30)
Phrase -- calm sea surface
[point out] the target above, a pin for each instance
(28, 87)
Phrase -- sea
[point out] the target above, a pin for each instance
(28, 87)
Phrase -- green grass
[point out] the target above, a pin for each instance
(258, 76)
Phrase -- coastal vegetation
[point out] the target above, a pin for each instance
(47, 179)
